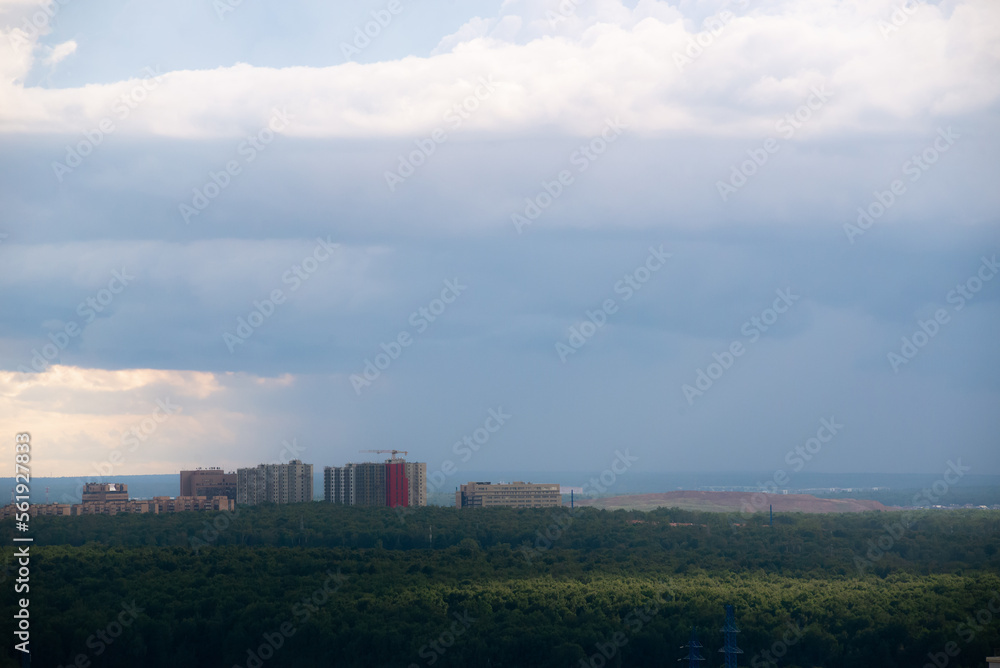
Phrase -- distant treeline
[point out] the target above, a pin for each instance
(934, 541)
(976, 489)
(319, 585)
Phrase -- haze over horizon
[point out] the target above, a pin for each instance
(557, 235)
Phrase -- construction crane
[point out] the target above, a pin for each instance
(405, 452)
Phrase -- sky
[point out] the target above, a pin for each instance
(755, 235)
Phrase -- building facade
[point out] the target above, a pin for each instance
(392, 483)
(115, 507)
(355, 484)
(275, 483)
(208, 482)
(36, 509)
(510, 495)
(179, 504)
(104, 492)
(416, 474)
(397, 489)
(159, 504)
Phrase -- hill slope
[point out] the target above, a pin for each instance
(735, 502)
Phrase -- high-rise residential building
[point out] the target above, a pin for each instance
(416, 474)
(274, 483)
(335, 484)
(392, 483)
(513, 495)
(208, 482)
(355, 484)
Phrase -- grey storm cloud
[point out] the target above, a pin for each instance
(295, 243)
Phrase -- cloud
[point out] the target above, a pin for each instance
(60, 52)
(77, 417)
(699, 90)
(155, 420)
(602, 61)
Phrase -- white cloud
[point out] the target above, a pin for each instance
(60, 52)
(602, 61)
(155, 420)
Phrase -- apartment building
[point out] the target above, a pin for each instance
(275, 483)
(392, 483)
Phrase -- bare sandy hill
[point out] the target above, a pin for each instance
(735, 502)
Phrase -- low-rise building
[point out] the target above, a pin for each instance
(35, 509)
(159, 504)
(179, 504)
(115, 507)
(510, 495)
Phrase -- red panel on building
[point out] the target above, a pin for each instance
(397, 491)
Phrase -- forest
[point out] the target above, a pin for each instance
(325, 585)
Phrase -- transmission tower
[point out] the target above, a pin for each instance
(730, 649)
(693, 655)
